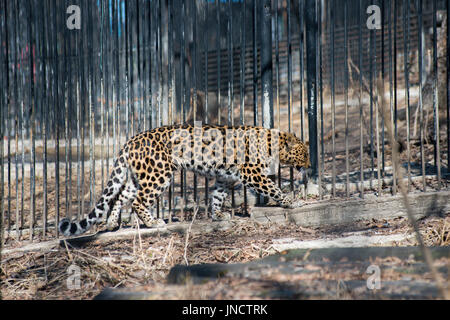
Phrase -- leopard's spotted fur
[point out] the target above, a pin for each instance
(146, 164)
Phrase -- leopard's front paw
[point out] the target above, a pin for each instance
(220, 216)
(291, 202)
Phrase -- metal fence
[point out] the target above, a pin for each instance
(73, 94)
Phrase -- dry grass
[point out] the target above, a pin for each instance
(146, 261)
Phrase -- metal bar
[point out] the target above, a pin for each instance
(150, 95)
(205, 49)
(139, 67)
(21, 97)
(289, 78)
(128, 66)
(396, 13)
(242, 82)
(8, 112)
(92, 106)
(219, 56)
(277, 77)
(437, 151)
(301, 62)
(332, 10)
(255, 65)
(16, 115)
(32, 98)
(171, 99)
(321, 153)
(406, 30)
(289, 71)
(420, 60)
(4, 67)
(448, 85)
(361, 129)
(267, 65)
(68, 85)
(311, 44)
(102, 94)
(383, 78)
(347, 164)
(391, 93)
(372, 52)
(44, 114)
(194, 54)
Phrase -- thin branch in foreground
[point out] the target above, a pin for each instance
(443, 289)
(187, 235)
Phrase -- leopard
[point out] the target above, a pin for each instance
(145, 167)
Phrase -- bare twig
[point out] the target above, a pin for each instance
(403, 189)
(187, 235)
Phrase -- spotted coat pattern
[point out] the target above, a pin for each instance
(146, 164)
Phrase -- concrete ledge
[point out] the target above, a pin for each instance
(336, 212)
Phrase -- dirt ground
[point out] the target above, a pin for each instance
(145, 262)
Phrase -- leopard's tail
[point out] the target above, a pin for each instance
(115, 184)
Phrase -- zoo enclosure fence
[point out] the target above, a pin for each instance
(71, 97)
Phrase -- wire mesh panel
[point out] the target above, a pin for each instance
(79, 78)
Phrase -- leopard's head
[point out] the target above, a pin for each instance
(294, 152)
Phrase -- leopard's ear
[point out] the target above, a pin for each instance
(307, 143)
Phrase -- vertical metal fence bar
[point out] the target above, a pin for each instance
(45, 100)
(194, 80)
(242, 66)
(21, 98)
(16, 113)
(377, 123)
(242, 81)
(347, 164)
(219, 56)
(8, 111)
(31, 65)
(301, 64)
(231, 82)
(289, 79)
(67, 105)
(372, 52)
(206, 109)
(255, 65)
(139, 41)
(267, 65)
(277, 77)
(311, 45)
(101, 55)
(92, 106)
(396, 13)
(391, 88)
(4, 67)
(361, 129)
(332, 10)
(171, 98)
(420, 60)
(406, 27)
(108, 76)
(230, 63)
(437, 151)
(383, 77)
(320, 139)
(79, 124)
(289, 69)
(183, 104)
(448, 84)
(128, 65)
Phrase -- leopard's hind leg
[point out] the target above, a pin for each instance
(126, 196)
